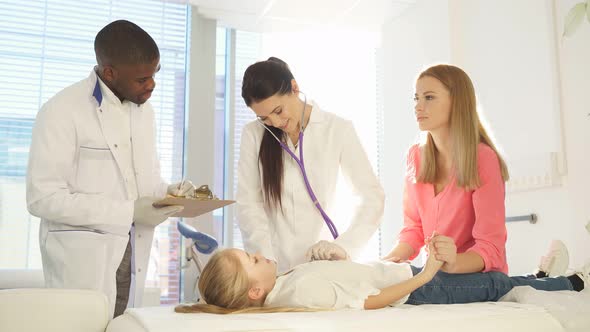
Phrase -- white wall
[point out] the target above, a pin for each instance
(532, 90)
(335, 68)
(417, 38)
(564, 211)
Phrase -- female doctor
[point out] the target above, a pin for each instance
(285, 188)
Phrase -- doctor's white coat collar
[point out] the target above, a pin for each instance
(96, 93)
(316, 115)
(102, 92)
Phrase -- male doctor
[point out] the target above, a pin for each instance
(93, 172)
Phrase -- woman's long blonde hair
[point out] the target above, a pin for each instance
(224, 286)
(466, 131)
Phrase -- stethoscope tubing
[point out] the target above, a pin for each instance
(300, 162)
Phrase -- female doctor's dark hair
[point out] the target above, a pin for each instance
(262, 80)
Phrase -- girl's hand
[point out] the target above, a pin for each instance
(432, 264)
(428, 240)
(444, 249)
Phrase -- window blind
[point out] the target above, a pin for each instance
(247, 52)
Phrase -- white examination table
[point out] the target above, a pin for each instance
(537, 311)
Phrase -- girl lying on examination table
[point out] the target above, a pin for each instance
(234, 281)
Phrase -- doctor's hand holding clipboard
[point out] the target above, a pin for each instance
(192, 202)
(148, 212)
(290, 160)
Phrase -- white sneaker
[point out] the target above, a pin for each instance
(556, 261)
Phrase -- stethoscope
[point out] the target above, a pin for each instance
(301, 164)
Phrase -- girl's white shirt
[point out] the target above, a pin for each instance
(330, 147)
(335, 284)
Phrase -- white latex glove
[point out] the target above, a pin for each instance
(326, 250)
(181, 189)
(146, 214)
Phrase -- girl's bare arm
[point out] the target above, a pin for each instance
(395, 292)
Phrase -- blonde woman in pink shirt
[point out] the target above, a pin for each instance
(455, 181)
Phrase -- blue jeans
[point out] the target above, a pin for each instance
(447, 288)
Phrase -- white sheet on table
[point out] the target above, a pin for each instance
(481, 317)
(572, 309)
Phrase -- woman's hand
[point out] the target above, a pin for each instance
(394, 259)
(445, 250)
(399, 254)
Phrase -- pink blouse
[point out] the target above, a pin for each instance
(475, 219)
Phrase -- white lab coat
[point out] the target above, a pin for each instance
(330, 145)
(84, 197)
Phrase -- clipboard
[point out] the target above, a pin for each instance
(192, 207)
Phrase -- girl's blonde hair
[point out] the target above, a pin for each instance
(466, 131)
(224, 286)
